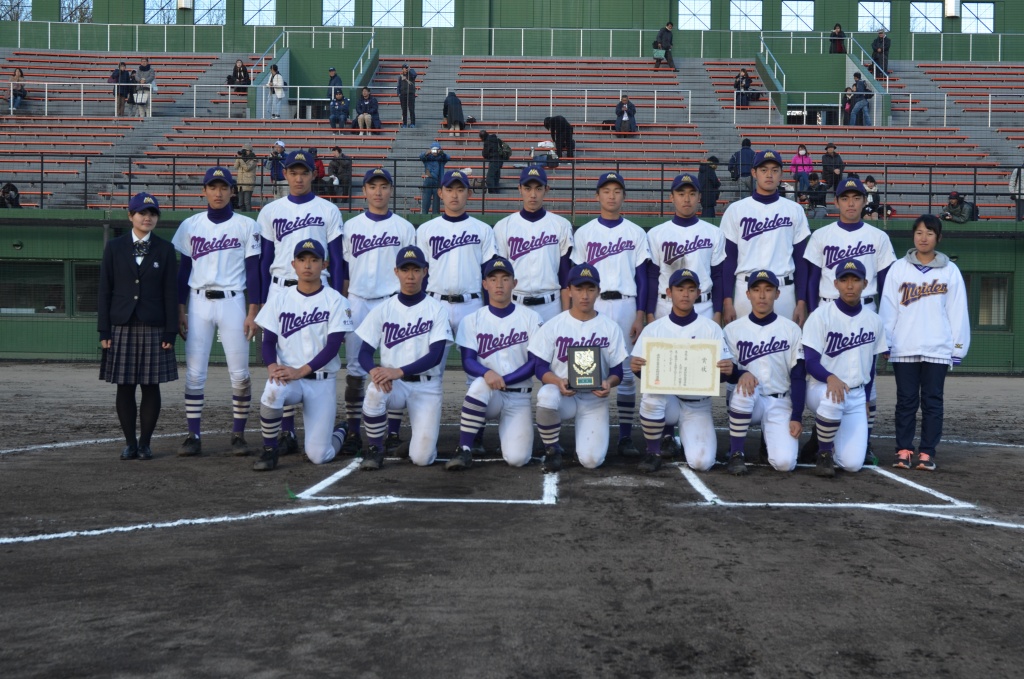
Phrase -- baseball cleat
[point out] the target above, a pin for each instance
(650, 463)
(552, 461)
(267, 461)
(925, 462)
(809, 451)
(394, 446)
(145, 453)
(460, 460)
(628, 449)
(130, 453)
(762, 451)
(238, 445)
(825, 467)
(373, 459)
(287, 443)
(353, 443)
(736, 465)
(870, 459)
(190, 447)
(903, 459)
(669, 448)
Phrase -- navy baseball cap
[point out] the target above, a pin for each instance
(302, 158)
(453, 177)
(762, 276)
(498, 264)
(851, 184)
(584, 273)
(611, 177)
(330, 69)
(378, 173)
(312, 246)
(680, 276)
(851, 267)
(218, 174)
(685, 179)
(767, 156)
(143, 201)
(533, 173)
(411, 255)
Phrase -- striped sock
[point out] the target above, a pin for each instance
(353, 415)
(395, 421)
(194, 411)
(654, 431)
(240, 400)
(669, 430)
(376, 426)
(338, 437)
(626, 403)
(826, 433)
(872, 407)
(739, 423)
(270, 423)
(472, 421)
(288, 421)
(549, 425)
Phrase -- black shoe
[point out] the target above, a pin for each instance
(825, 466)
(628, 449)
(373, 459)
(552, 461)
(145, 453)
(870, 459)
(669, 448)
(130, 453)
(287, 443)
(353, 443)
(762, 451)
(650, 463)
(460, 460)
(267, 461)
(736, 466)
(190, 447)
(809, 451)
(393, 446)
(238, 445)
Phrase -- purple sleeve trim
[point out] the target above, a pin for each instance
(881, 280)
(813, 286)
(540, 367)
(732, 254)
(336, 259)
(871, 380)
(433, 358)
(812, 361)
(366, 357)
(520, 374)
(616, 371)
(266, 258)
(652, 287)
(269, 348)
(470, 363)
(641, 286)
(564, 266)
(737, 373)
(798, 390)
(253, 282)
(717, 287)
(184, 271)
(330, 351)
(800, 273)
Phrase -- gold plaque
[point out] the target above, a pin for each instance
(584, 368)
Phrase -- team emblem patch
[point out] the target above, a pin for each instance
(533, 173)
(378, 172)
(686, 273)
(762, 274)
(850, 266)
(499, 263)
(299, 156)
(851, 184)
(148, 200)
(216, 173)
(586, 272)
(769, 154)
(409, 254)
(456, 175)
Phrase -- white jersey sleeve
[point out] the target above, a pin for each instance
(615, 251)
(285, 223)
(686, 244)
(551, 343)
(218, 251)
(764, 234)
(535, 250)
(456, 251)
(847, 344)
(832, 244)
(371, 244)
(769, 352)
(302, 324)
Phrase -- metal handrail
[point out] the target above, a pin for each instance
(563, 90)
(864, 54)
(365, 54)
(50, 87)
(777, 68)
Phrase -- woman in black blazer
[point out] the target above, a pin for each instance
(138, 321)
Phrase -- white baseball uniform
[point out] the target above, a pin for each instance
(693, 415)
(500, 343)
(302, 324)
(686, 244)
(535, 250)
(285, 223)
(551, 344)
(836, 242)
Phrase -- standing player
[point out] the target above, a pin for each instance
(765, 231)
(693, 415)
(303, 328)
(493, 342)
(687, 242)
(581, 325)
(841, 341)
(617, 248)
(286, 222)
(373, 240)
(412, 332)
(220, 256)
(538, 244)
(769, 376)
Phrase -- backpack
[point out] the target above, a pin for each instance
(974, 211)
(734, 166)
(868, 94)
(506, 150)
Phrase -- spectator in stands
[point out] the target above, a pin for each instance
(454, 118)
(122, 77)
(245, 177)
(433, 161)
(957, 209)
(240, 78)
(561, 134)
(9, 196)
(625, 115)
(832, 166)
(407, 95)
(817, 197)
(873, 208)
(739, 168)
(276, 93)
(338, 113)
(275, 162)
(334, 84)
(801, 167)
(319, 172)
(880, 53)
(860, 114)
(494, 160)
(847, 105)
(1016, 186)
(17, 90)
(367, 116)
(339, 175)
(741, 84)
(146, 76)
(837, 40)
(664, 42)
(710, 186)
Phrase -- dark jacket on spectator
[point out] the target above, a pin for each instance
(492, 148)
(828, 166)
(369, 106)
(629, 108)
(128, 290)
(837, 44)
(123, 78)
(742, 160)
(817, 195)
(709, 184)
(240, 76)
(341, 167)
(276, 165)
(339, 108)
(9, 196)
(665, 38)
(334, 84)
(453, 110)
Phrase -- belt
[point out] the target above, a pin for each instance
(705, 297)
(546, 298)
(782, 395)
(375, 299)
(217, 294)
(692, 400)
(457, 299)
(870, 299)
(322, 375)
(417, 378)
(611, 294)
(519, 390)
(285, 282)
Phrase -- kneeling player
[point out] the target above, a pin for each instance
(769, 377)
(580, 326)
(692, 414)
(493, 343)
(303, 328)
(412, 332)
(841, 341)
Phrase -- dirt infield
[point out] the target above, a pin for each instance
(201, 568)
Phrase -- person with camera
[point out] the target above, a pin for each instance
(433, 161)
(276, 169)
(245, 177)
(339, 175)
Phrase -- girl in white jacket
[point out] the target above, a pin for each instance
(924, 311)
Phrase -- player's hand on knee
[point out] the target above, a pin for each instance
(725, 365)
(636, 364)
(836, 389)
(795, 429)
(494, 380)
(747, 384)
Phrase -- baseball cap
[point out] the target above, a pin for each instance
(405, 65)
(849, 184)
(533, 173)
(498, 264)
(953, 195)
(330, 69)
(411, 255)
(377, 173)
(299, 158)
(685, 179)
(435, 145)
(218, 174)
(280, 143)
(767, 156)
(584, 273)
(851, 267)
(143, 201)
(829, 145)
(762, 276)
(680, 276)
(452, 176)
(309, 245)
(610, 177)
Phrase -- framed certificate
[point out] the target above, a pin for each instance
(680, 367)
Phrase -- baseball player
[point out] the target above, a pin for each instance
(617, 248)
(372, 241)
(765, 231)
(411, 330)
(538, 243)
(219, 268)
(693, 415)
(493, 342)
(849, 238)
(581, 325)
(841, 340)
(769, 376)
(687, 242)
(286, 222)
(303, 327)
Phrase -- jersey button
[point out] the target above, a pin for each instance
(136, 296)
(136, 281)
